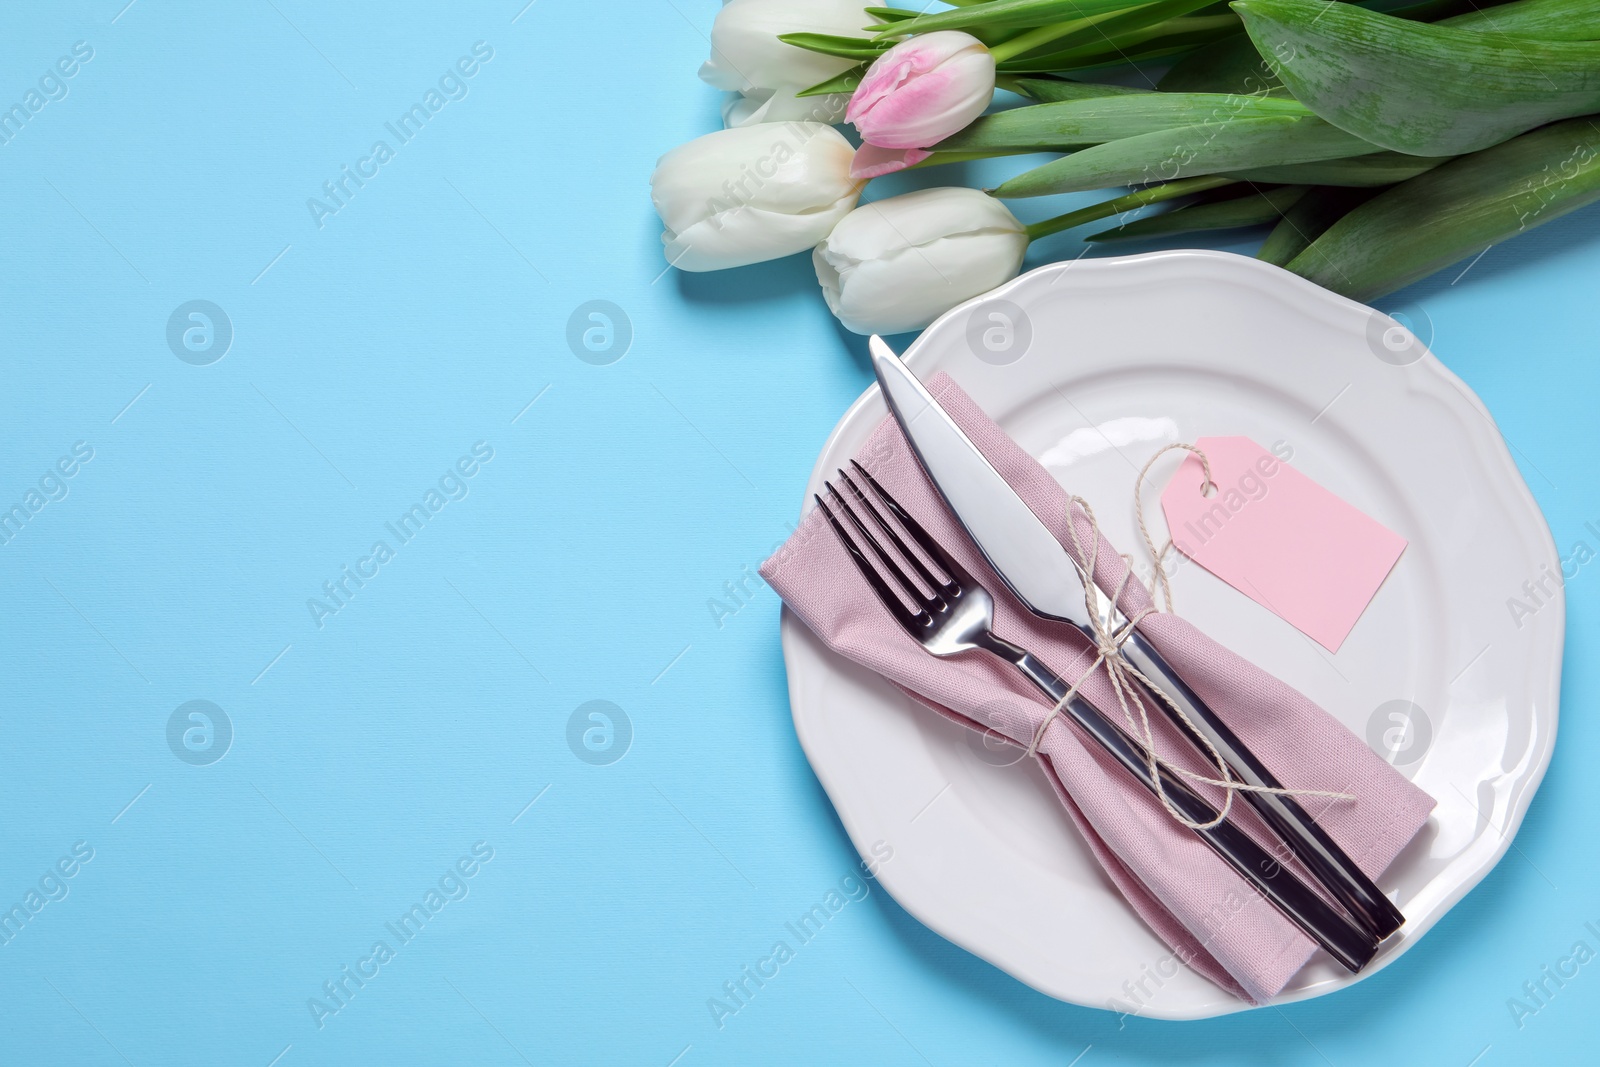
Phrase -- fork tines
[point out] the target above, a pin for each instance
(933, 592)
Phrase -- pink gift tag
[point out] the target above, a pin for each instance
(1279, 538)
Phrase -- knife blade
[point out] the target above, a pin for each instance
(1020, 548)
(1049, 583)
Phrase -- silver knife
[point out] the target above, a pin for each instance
(1049, 583)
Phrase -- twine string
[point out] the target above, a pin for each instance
(1126, 679)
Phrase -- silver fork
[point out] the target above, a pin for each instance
(954, 614)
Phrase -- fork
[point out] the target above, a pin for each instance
(956, 615)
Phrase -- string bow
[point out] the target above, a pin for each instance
(1127, 681)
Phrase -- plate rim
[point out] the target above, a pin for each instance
(1307, 297)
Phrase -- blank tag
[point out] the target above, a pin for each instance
(1279, 538)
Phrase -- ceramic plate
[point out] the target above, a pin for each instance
(1110, 360)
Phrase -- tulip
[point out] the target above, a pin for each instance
(871, 161)
(782, 105)
(747, 58)
(919, 92)
(751, 194)
(898, 264)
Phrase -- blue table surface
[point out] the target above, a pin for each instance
(396, 368)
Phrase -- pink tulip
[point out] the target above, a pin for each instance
(923, 90)
(870, 161)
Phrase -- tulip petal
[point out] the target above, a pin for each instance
(871, 161)
(897, 264)
(886, 75)
(782, 105)
(746, 53)
(923, 90)
(752, 193)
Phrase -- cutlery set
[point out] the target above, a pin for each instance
(951, 613)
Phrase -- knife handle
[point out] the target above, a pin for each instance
(1308, 841)
(1351, 945)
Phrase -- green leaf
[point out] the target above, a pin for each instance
(1231, 65)
(890, 14)
(1456, 210)
(1307, 220)
(1055, 90)
(1252, 209)
(839, 83)
(1037, 40)
(1173, 35)
(1117, 61)
(939, 159)
(1421, 10)
(1074, 123)
(1380, 168)
(1546, 20)
(1119, 27)
(1152, 194)
(1211, 148)
(1415, 88)
(829, 45)
(1014, 13)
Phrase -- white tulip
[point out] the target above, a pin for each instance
(751, 194)
(898, 264)
(765, 73)
(746, 53)
(782, 105)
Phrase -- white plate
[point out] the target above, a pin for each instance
(1173, 346)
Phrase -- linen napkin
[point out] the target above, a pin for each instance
(1211, 917)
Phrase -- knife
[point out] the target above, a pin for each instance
(1049, 583)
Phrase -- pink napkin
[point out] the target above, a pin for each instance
(1211, 917)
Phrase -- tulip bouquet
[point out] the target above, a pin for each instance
(1381, 140)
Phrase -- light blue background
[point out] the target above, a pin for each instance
(371, 753)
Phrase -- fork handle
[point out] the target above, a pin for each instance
(1352, 946)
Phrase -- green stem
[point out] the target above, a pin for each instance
(1027, 42)
(1153, 194)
